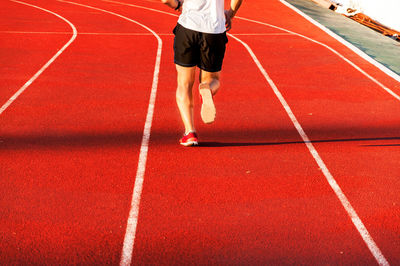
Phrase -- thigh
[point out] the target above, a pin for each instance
(186, 48)
(212, 51)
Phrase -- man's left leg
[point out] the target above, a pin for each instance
(211, 79)
(209, 85)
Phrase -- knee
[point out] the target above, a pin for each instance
(180, 95)
(184, 88)
(184, 93)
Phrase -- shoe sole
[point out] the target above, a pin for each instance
(208, 110)
(191, 143)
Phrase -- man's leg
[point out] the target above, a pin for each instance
(184, 95)
(209, 85)
(211, 79)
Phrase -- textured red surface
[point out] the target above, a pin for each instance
(250, 194)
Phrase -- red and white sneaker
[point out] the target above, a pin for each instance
(190, 139)
(208, 110)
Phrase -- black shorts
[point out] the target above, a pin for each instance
(193, 48)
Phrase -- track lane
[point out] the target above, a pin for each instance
(376, 252)
(129, 239)
(70, 145)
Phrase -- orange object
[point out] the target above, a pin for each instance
(367, 21)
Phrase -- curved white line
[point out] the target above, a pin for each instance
(369, 59)
(130, 233)
(45, 66)
(376, 252)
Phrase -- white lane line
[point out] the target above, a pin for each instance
(35, 32)
(45, 66)
(336, 53)
(386, 70)
(130, 233)
(376, 252)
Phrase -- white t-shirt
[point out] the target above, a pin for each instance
(203, 15)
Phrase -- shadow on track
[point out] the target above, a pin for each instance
(94, 139)
(248, 144)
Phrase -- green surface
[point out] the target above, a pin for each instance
(379, 47)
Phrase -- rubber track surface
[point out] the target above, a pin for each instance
(251, 193)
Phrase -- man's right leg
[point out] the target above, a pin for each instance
(184, 95)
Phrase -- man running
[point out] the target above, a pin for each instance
(200, 40)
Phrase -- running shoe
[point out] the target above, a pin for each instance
(189, 139)
(207, 107)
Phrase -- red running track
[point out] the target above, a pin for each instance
(252, 193)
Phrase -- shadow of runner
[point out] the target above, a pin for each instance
(94, 139)
(248, 144)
